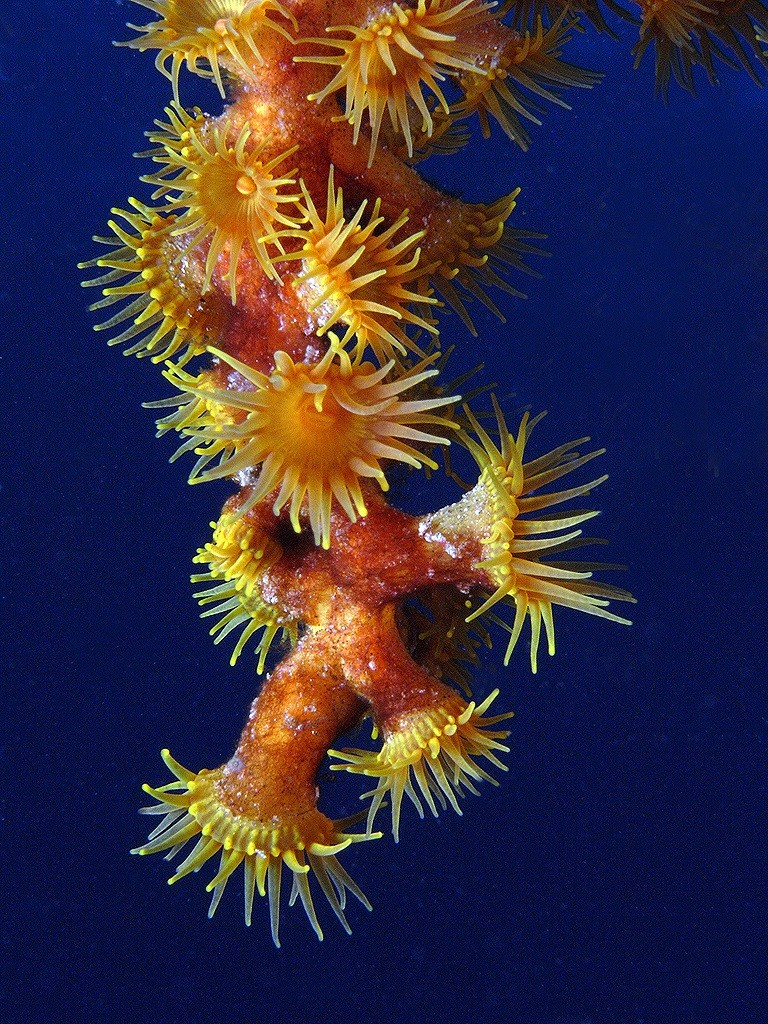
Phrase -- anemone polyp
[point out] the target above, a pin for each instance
(690, 32)
(446, 134)
(439, 748)
(237, 558)
(674, 27)
(165, 311)
(193, 807)
(174, 142)
(357, 272)
(247, 611)
(196, 407)
(470, 247)
(316, 430)
(220, 33)
(521, 69)
(392, 57)
(517, 549)
(234, 193)
(238, 553)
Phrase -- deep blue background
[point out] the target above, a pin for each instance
(618, 874)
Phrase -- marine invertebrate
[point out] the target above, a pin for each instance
(164, 308)
(233, 193)
(192, 807)
(515, 73)
(392, 55)
(238, 557)
(222, 34)
(690, 33)
(308, 295)
(517, 549)
(439, 747)
(316, 430)
(354, 273)
(471, 248)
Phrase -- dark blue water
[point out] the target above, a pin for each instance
(617, 876)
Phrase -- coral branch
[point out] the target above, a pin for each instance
(290, 275)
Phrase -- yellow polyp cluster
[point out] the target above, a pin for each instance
(695, 33)
(446, 135)
(210, 36)
(196, 407)
(291, 275)
(233, 193)
(671, 25)
(353, 273)
(511, 80)
(237, 559)
(165, 311)
(517, 549)
(471, 247)
(247, 611)
(436, 747)
(192, 808)
(239, 553)
(174, 143)
(316, 431)
(392, 57)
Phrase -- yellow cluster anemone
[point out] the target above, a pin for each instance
(392, 57)
(197, 406)
(234, 193)
(470, 247)
(436, 747)
(672, 26)
(222, 34)
(316, 430)
(355, 272)
(518, 549)
(174, 143)
(192, 808)
(238, 555)
(446, 135)
(690, 32)
(165, 310)
(521, 69)
(246, 611)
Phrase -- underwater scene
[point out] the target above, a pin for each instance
(444, 696)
